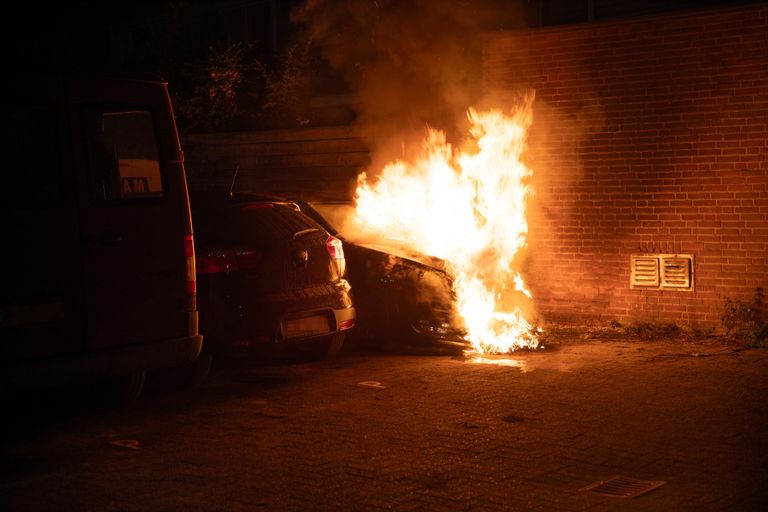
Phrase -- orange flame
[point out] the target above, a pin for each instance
(468, 208)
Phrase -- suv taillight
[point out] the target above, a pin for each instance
(191, 285)
(336, 250)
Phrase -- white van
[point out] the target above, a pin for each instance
(97, 268)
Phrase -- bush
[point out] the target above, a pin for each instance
(746, 322)
(653, 331)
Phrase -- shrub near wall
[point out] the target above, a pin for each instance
(650, 136)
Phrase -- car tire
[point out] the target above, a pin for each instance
(333, 345)
(315, 351)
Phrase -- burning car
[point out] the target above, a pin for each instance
(269, 277)
(404, 299)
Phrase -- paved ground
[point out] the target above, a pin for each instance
(395, 432)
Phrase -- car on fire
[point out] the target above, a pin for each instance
(270, 279)
(404, 299)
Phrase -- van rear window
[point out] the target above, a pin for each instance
(123, 155)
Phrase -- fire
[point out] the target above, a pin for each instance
(467, 207)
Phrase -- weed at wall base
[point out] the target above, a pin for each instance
(746, 321)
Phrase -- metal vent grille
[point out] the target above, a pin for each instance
(623, 486)
(676, 272)
(645, 272)
(662, 271)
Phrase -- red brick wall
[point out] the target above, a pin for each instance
(650, 135)
(307, 162)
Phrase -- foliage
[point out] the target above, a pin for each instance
(217, 87)
(288, 89)
(232, 90)
(654, 331)
(642, 330)
(747, 322)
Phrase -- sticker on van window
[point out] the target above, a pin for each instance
(139, 177)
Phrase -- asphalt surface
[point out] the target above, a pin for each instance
(413, 432)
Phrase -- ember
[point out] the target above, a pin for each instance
(467, 207)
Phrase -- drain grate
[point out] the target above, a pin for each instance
(623, 486)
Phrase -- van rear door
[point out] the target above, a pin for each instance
(40, 270)
(135, 214)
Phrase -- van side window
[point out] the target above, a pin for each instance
(123, 155)
(30, 170)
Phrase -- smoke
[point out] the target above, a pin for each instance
(411, 63)
(415, 64)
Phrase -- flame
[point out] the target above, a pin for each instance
(467, 207)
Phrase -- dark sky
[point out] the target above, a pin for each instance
(412, 61)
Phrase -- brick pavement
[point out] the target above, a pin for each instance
(438, 433)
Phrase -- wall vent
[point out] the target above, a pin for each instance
(662, 271)
(645, 271)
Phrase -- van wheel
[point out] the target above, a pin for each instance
(195, 373)
(122, 390)
(131, 386)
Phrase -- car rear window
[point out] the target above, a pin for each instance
(250, 223)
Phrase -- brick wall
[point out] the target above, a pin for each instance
(650, 135)
(321, 163)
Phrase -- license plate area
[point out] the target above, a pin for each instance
(306, 326)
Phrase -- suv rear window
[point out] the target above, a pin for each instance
(254, 224)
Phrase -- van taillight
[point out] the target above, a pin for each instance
(336, 250)
(191, 286)
(216, 261)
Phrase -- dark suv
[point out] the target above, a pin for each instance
(269, 277)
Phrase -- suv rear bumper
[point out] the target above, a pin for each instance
(102, 363)
(345, 315)
(343, 322)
